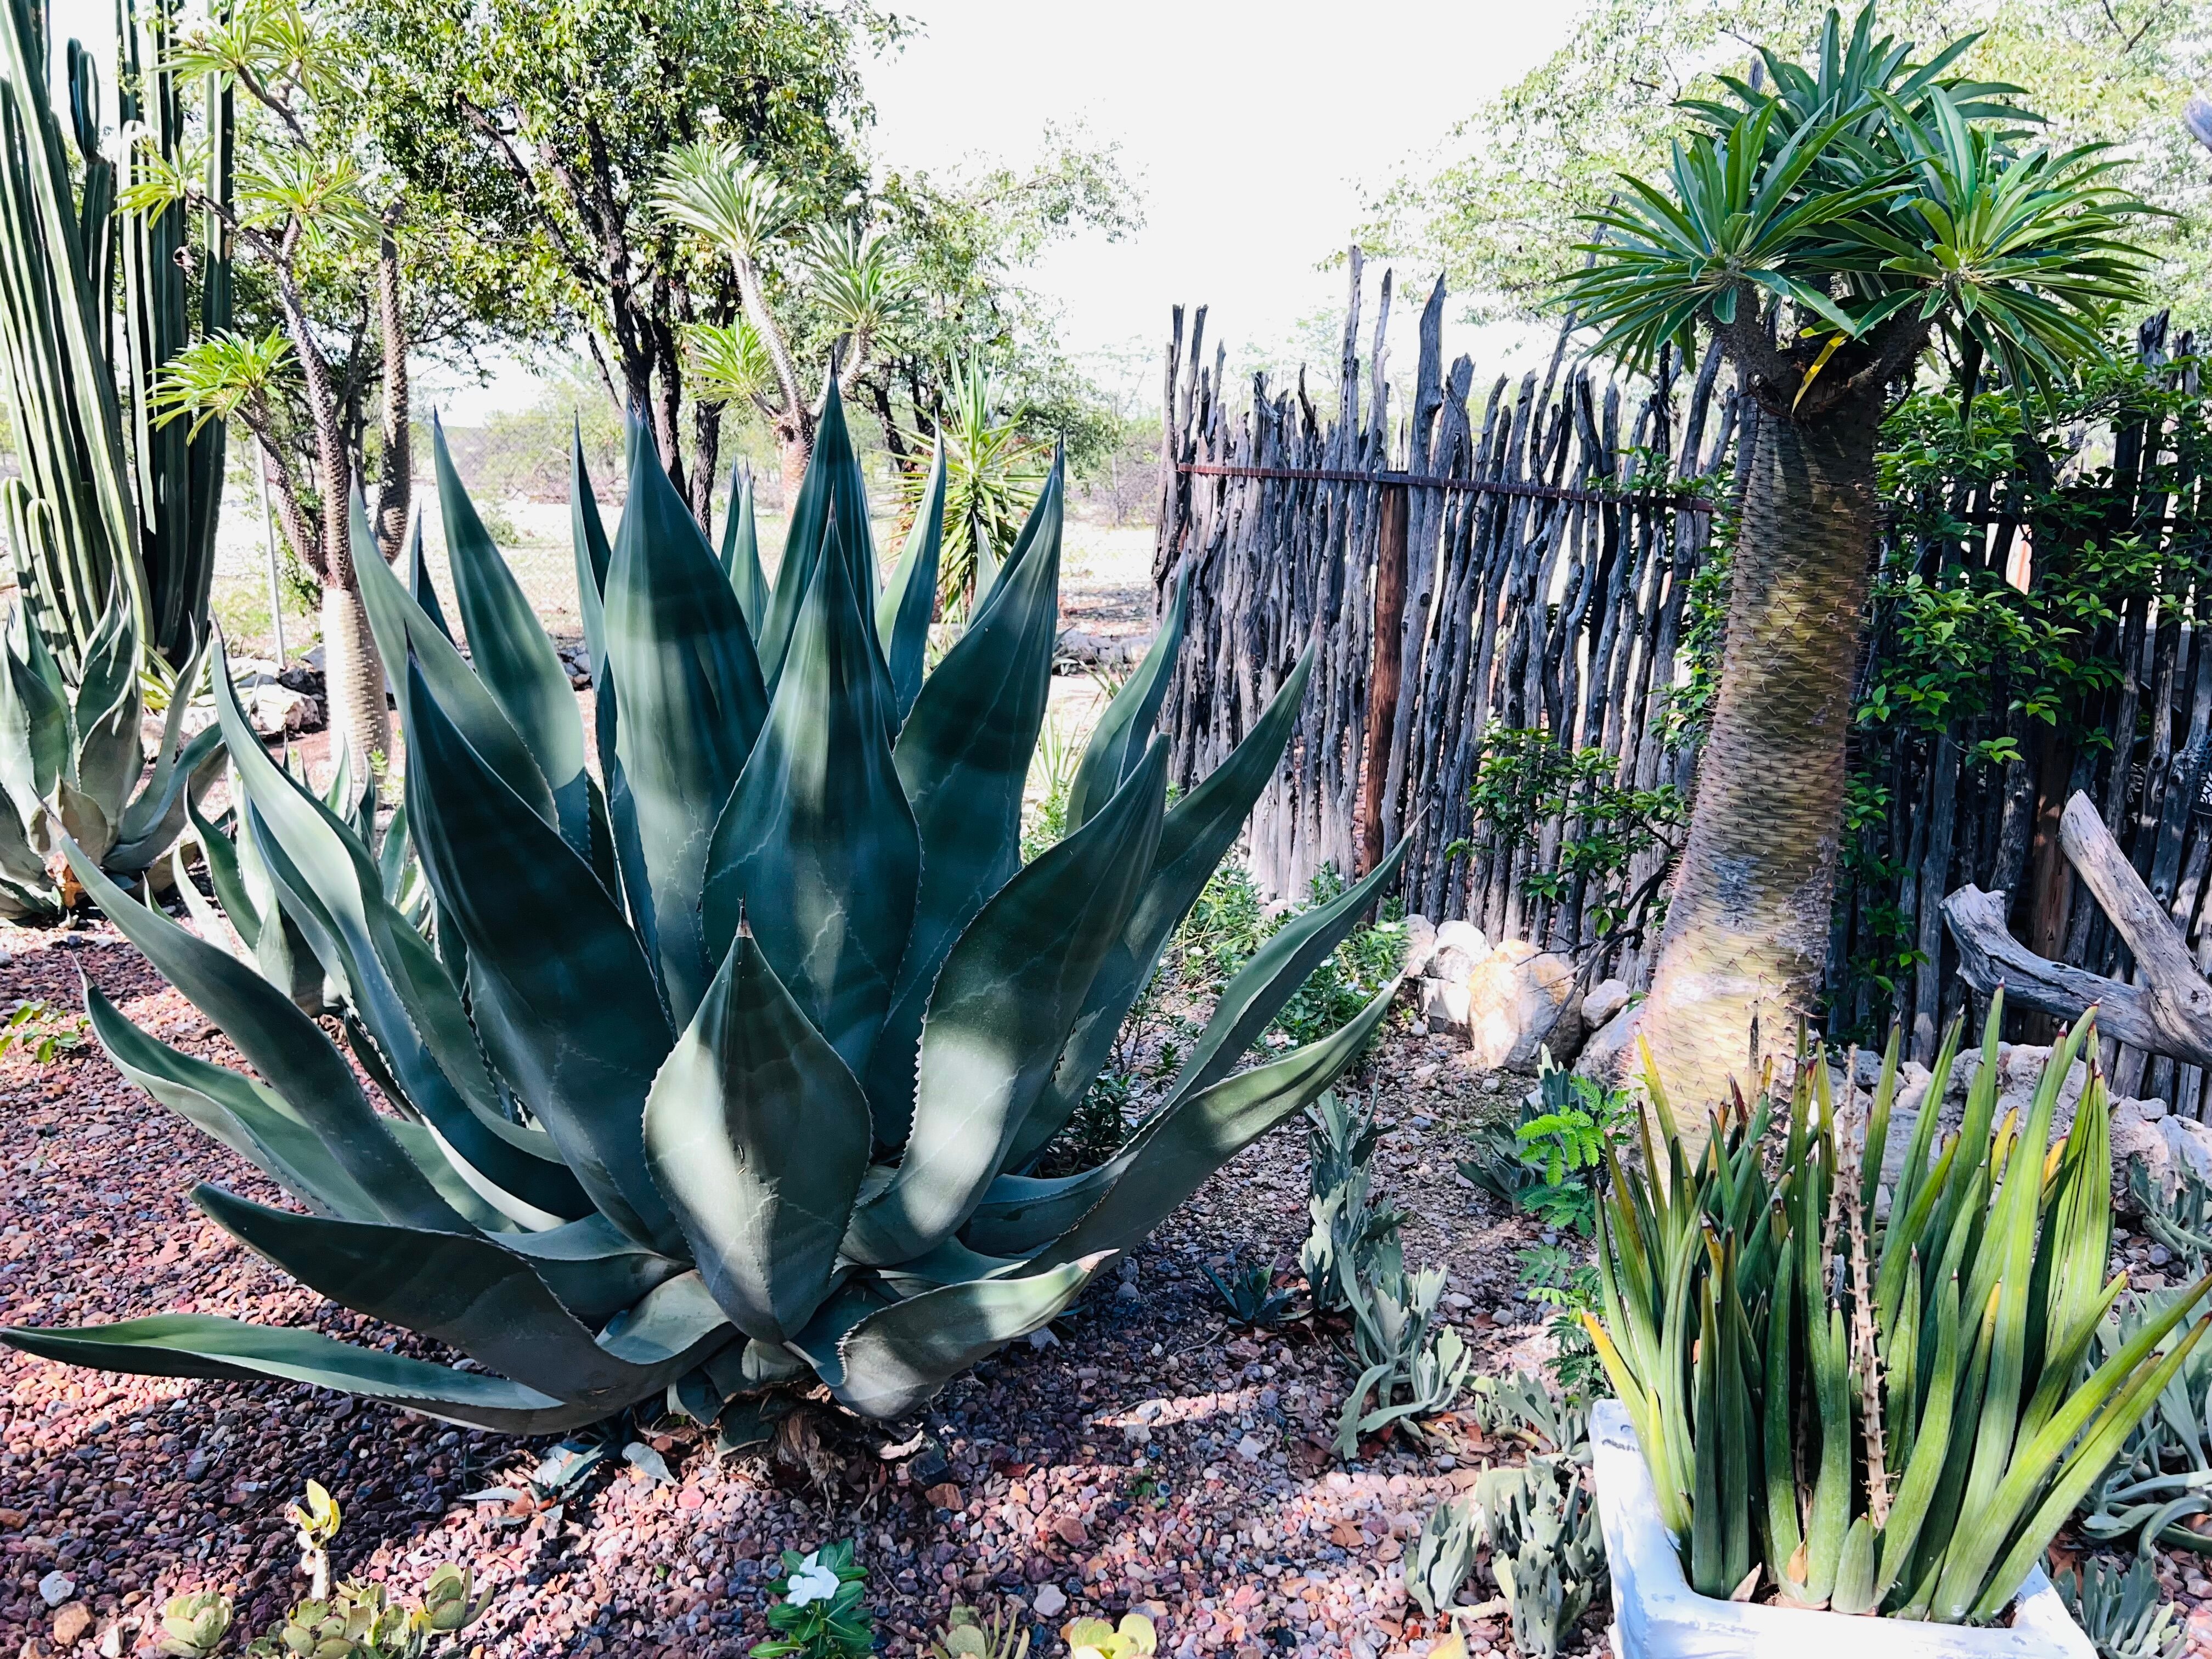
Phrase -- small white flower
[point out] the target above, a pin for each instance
(810, 1582)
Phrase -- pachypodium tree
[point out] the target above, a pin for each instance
(1826, 226)
(760, 1038)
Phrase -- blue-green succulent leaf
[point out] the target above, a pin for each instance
(963, 756)
(1001, 1011)
(692, 702)
(285, 1046)
(759, 1135)
(512, 654)
(204, 1346)
(909, 599)
(816, 850)
(563, 996)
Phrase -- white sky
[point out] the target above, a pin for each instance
(1250, 126)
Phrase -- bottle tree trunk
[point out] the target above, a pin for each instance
(1740, 962)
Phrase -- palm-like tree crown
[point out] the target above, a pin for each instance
(1865, 204)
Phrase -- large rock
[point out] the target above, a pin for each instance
(1521, 1001)
(1605, 1055)
(2165, 1142)
(1603, 1000)
(1441, 960)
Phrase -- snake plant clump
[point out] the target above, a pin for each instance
(73, 765)
(764, 1021)
(1877, 1411)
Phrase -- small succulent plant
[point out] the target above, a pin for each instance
(1545, 1550)
(357, 1620)
(2125, 1614)
(194, 1623)
(1094, 1639)
(965, 1636)
(1249, 1294)
(1444, 1554)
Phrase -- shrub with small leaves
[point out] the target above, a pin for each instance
(824, 1613)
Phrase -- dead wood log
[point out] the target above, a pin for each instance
(2169, 1012)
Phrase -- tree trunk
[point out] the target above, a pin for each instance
(1740, 960)
(395, 469)
(794, 452)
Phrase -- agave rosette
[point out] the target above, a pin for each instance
(759, 1037)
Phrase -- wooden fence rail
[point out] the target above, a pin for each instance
(1550, 544)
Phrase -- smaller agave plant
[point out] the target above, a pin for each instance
(766, 1022)
(73, 764)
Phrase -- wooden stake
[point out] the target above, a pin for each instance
(1389, 665)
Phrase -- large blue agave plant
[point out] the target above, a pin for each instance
(729, 1071)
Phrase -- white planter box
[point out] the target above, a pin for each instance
(1656, 1615)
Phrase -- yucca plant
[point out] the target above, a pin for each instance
(74, 765)
(1875, 1417)
(759, 1038)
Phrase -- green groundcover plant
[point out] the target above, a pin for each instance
(763, 1024)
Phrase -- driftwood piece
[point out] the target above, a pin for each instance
(2169, 1012)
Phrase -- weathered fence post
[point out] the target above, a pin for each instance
(1382, 684)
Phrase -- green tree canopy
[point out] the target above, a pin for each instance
(1499, 210)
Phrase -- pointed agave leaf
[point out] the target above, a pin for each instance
(512, 654)
(33, 715)
(468, 1291)
(1199, 830)
(909, 600)
(201, 1344)
(397, 986)
(894, 1361)
(414, 574)
(285, 1046)
(248, 1117)
(1117, 743)
(817, 849)
(1181, 1147)
(403, 631)
(691, 704)
(1259, 990)
(622, 864)
(562, 995)
(741, 551)
(999, 1012)
(963, 755)
(151, 823)
(759, 1134)
(833, 488)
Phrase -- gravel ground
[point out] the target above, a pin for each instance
(1148, 1456)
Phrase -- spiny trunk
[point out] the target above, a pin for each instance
(794, 453)
(353, 673)
(395, 470)
(1747, 927)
